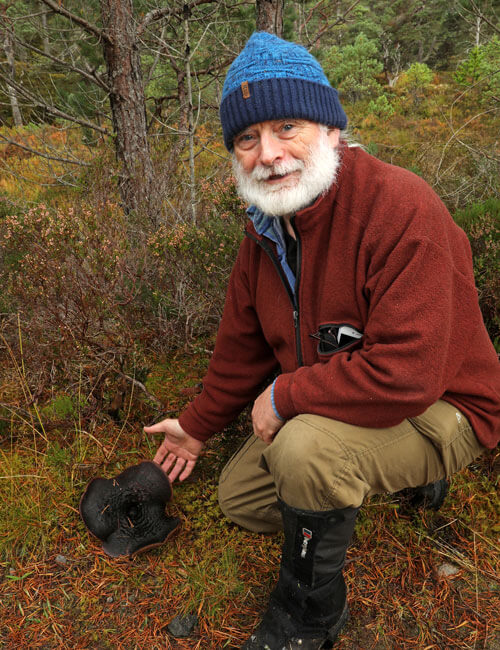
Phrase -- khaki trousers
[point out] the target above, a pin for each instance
(315, 463)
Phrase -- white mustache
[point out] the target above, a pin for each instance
(317, 168)
(279, 169)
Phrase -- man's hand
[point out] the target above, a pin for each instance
(265, 422)
(178, 452)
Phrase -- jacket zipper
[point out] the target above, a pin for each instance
(293, 297)
(296, 296)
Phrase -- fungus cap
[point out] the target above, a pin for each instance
(127, 513)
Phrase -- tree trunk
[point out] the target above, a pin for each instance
(8, 48)
(128, 108)
(192, 178)
(478, 31)
(44, 25)
(269, 16)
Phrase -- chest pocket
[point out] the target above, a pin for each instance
(336, 337)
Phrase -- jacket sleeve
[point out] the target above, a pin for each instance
(241, 361)
(422, 322)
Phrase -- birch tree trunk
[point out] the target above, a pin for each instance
(478, 31)
(269, 16)
(44, 25)
(8, 48)
(128, 108)
(192, 178)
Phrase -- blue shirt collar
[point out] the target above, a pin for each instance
(271, 228)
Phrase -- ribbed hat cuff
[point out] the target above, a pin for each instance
(277, 98)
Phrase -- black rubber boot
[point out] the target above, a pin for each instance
(308, 607)
(428, 497)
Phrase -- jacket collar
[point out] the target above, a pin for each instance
(270, 227)
(308, 218)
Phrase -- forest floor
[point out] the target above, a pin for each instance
(424, 580)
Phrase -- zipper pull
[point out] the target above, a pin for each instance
(295, 318)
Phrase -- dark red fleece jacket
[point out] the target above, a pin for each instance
(378, 252)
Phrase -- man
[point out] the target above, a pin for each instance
(354, 288)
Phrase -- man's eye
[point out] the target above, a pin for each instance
(244, 138)
(287, 130)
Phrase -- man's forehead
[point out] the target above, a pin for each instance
(277, 123)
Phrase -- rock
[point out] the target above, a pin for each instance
(182, 626)
(447, 570)
(61, 560)
(109, 600)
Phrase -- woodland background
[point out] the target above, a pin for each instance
(119, 223)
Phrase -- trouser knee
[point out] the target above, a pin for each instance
(318, 463)
(307, 462)
(247, 495)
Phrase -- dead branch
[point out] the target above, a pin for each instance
(88, 27)
(44, 155)
(90, 77)
(454, 136)
(141, 386)
(153, 16)
(52, 109)
(477, 12)
(329, 26)
(158, 14)
(14, 409)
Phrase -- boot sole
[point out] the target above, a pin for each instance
(335, 630)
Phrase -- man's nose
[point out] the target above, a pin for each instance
(271, 149)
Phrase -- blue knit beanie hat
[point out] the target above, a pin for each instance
(273, 79)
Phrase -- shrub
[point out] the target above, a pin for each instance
(417, 77)
(481, 222)
(97, 295)
(352, 69)
(481, 71)
(75, 279)
(381, 107)
(194, 261)
(414, 82)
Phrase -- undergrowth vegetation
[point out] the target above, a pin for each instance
(107, 324)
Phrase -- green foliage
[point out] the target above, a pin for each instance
(469, 215)
(469, 71)
(416, 78)
(352, 68)
(27, 514)
(413, 85)
(433, 32)
(481, 70)
(60, 407)
(59, 458)
(381, 107)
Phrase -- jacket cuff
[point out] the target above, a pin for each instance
(282, 396)
(192, 427)
(273, 402)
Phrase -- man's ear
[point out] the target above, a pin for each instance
(333, 136)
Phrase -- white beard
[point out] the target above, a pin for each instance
(317, 173)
